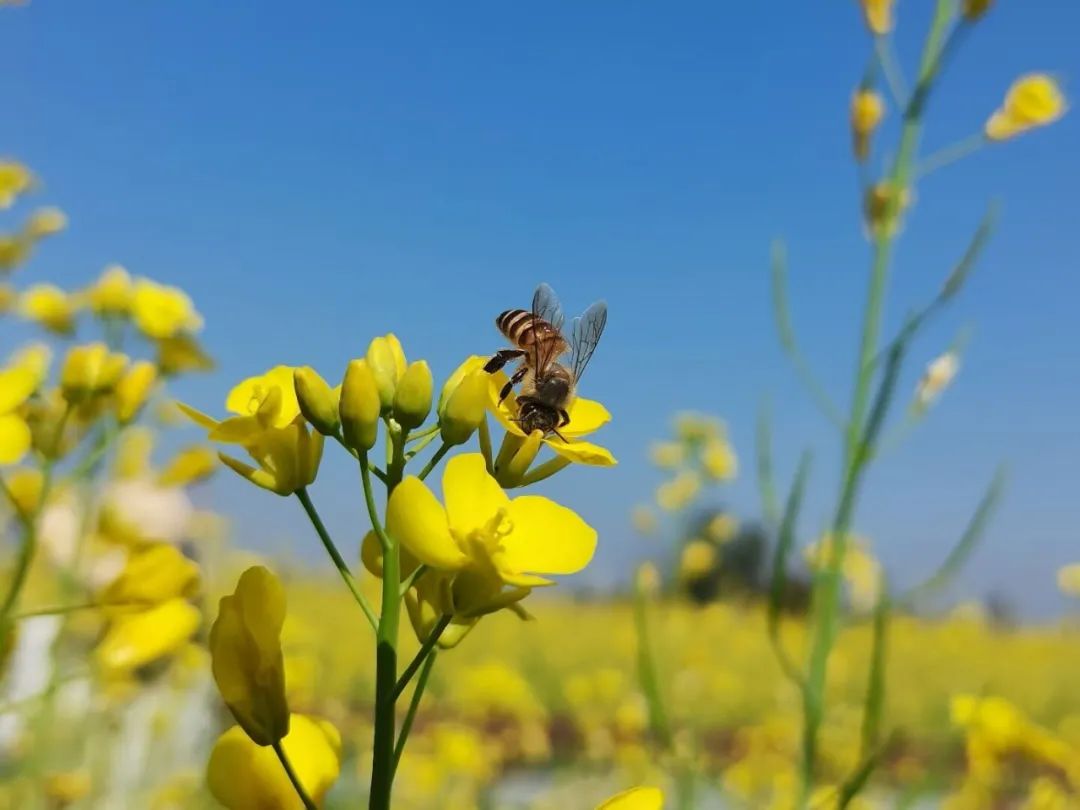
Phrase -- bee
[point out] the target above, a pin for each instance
(548, 385)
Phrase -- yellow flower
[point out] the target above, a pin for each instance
(387, 361)
(973, 9)
(25, 487)
(35, 358)
(266, 401)
(1034, 100)
(14, 250)
(15, 179)
(644, 519)
(90, 370)
(111, 294)
(153, 575)
(679, 492)
(134, 640)
(586, 416)
(647, 579)
(719, 460)
(161, 311)
(16, 386)
(723, 528)
(245, 645)
(317, 401)
(244, 776)
(49, 306)
(867, 110)
(287, 458)
(181, 354)
(66, 787)
(882, 208)
(1068, 579)
(359, 406)
(879, 15)
(45, 222)
(667, 455)
(936, 379)
(859, 568)
(698, 559)
(639, 798)
(463, 401)
(698, 427)
(189, 466)
(133, 389)
(486, 538)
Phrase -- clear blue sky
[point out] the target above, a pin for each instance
(318, 174)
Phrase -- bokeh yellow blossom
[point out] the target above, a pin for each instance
(49, 306)
(111, 294)
(137, 639)
(867, 110)
(134, 389)
(719, 461)
(45, 222)
(667, 455)
(644, 519)
(244, 776)
(1068, 579)
(679, 492)
(1034, 100)
(161, 311)
(152, 575)
(722, 528)
(15, 179)
(937, 377)
(698, 559)
(878, 15)
(16, 386)
(639, 798)
(90, 370)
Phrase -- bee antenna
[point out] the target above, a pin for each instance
(556, 432)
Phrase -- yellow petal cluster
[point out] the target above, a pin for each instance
(134, 389)
(111, 294)
(878, 15)
(867, 110)
(90, 370)
(154, 574)
(161, 311)
(49, 306)
(244, 776)
(1034, 100)
(15, 179)
(135, 640)
(245, 649)
(16, 386)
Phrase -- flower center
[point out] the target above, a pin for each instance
(486, 541)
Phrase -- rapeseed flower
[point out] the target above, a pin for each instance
(111, 294)
(247, 662)
(134, 389)
(485, 538)
(1034, 100)
(15, 179)
(49, 306)
(244, 776)
(153, 575)
(878, 15)
(16, 386)
(89, 371)
(160, 311)
(639, 798)
(867, 110)
(137, 639)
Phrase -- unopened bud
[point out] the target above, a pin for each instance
(973, 9)
(463, 404)
(133, 390)
(317, 401)
(387, 361)
(89, 370)
(412, 399)
(510, 472)
(867, 110)
(359, 406)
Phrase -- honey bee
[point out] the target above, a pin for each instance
(548, 386)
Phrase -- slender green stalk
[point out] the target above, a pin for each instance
(297, 785)
(335, 556)
(890, 69)
(369, 499)
(545, 470)
(784, 542)
(770, 506)
(425, 433)
(444, 448)
(383, 740)
(484, 432)
(427, 647)
(862, 431)
(875, 686)
(648, 675)
(414, 705)
(950, 154)
(410, 580)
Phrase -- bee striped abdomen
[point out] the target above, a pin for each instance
(523, 329)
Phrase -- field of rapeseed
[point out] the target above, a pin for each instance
(149, 660)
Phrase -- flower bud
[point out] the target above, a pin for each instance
(24, 489)
(973, 9)
(45, 222)
(317, 401)
(111, 293)
(245, 649)
(387, 361)
(867, 110)
(89, 370)
(878, 15)
(883, 207)
(1033, 101)
(463, 404)
(133, 390)
(412, 400)
(513, 470)
(359, 406)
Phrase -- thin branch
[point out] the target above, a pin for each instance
(425, 648)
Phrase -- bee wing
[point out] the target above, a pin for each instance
(546, 307)
(585, 332)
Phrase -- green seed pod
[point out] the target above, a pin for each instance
(360, 406)
(412, 400)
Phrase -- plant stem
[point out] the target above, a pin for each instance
(308, 803)
(383, 741)
(444, 448)
(425, 648)
(414, 705)
(950, 154)
(335, 556)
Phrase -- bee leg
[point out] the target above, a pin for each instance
(556, 432)
(501, 358)
(564, 417)
(517, 377)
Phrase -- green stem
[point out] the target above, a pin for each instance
(422, 653)
(297, 785)
(950, 154)
(484, 433)
(648, 675)
(425, 433)
(335, 556)
(383, 740)
(890, 69)
(414, 705)
(444, 448)
(545, 470)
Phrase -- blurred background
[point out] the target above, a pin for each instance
(315, 176)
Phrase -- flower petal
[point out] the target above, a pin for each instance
(16, 385)
(416, 519)
(586, 415)
(472, 496)
(15, 439)
(547, 538)
(639, 798)
(196, 416)
(583, 452)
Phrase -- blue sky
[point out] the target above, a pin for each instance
(317, 175)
